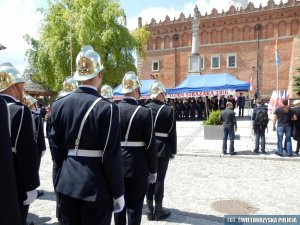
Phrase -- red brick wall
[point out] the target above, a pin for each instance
(230, 32)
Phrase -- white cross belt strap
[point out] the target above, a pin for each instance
(85, 153)
(129, 126)
(77, 141)
(14, 149)
(133, 143)
(157, 134)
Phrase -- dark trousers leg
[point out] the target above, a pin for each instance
(156, 190)
(24, 212)
(135, 190)
(231, 138)
(225, 135)
(79, 212)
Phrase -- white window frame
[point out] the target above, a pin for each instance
(235, 62)
(202, 65)
(211, 61)
(153, 62)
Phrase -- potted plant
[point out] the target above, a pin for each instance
(212, 126)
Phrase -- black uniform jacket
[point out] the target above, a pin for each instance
(166, 124)
(39, 132)
(86, 178)
(137, 161)
(8, 190)
(26, 156)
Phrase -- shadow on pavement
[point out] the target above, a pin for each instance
(36, 219)
(178, 216)
(48, 196)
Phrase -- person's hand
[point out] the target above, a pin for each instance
(152, 178)
(31, 196)
(118, 204)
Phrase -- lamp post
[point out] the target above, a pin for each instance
(257, 70)
(258, 67)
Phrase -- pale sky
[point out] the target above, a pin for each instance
(20, 17)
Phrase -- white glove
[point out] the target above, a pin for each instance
(152, 178)
(43, 153)
(31, 196)
(118, 204)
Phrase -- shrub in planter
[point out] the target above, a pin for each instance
(213, 118)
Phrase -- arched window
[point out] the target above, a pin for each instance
(294, 27)
(158, 43)
(235, 34)
(282, 29)
(167, 42)
(150, 44)
(185, 39)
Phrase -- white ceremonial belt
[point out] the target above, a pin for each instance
(85, 153)
(161, 134)
(14, 150)
(133, 143)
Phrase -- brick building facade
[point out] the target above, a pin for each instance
(229, 42)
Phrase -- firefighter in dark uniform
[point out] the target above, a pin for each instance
(38, 128)
(8, 189)
(166, 141)
(69, 85)
(85, 142)
(138, 150)
(25, 156)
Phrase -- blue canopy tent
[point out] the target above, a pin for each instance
(145, 88)
(209, 82)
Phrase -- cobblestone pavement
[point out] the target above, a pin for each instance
(195, 183)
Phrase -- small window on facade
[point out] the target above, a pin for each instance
(231, 60)
(215, 62)
(202, 62)
(155, 65)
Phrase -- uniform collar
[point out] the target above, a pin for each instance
(157, 101)
(87, 89)
(130, 99)
(88, 86)
(9, 98)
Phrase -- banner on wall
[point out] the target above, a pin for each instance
(202, 94)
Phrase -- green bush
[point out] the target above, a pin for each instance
(213, 118)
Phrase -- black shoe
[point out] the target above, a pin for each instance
(40, 193)
(224, 153)
(232, 153)
(290, 155)
(160, 213)
(297, 153)
(255, 151)
(278, 154)
(263, 152)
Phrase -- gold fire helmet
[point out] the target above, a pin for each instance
(9, 76)
(107, 91)
(156, 89)
(88, 64)
(28, 100)
(130, 82)
(69, 85)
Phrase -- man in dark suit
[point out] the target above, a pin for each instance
(166, 142)
(138, 150)
(8, 188)
(85, 143)
(25, 156)
(241, 101)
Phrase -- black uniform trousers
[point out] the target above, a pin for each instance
(157, 189)
(135, 190)
(78, 212)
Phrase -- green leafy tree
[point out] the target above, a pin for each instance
(297, 83)
(100, 23)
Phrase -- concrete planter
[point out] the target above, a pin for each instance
(213, 132)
